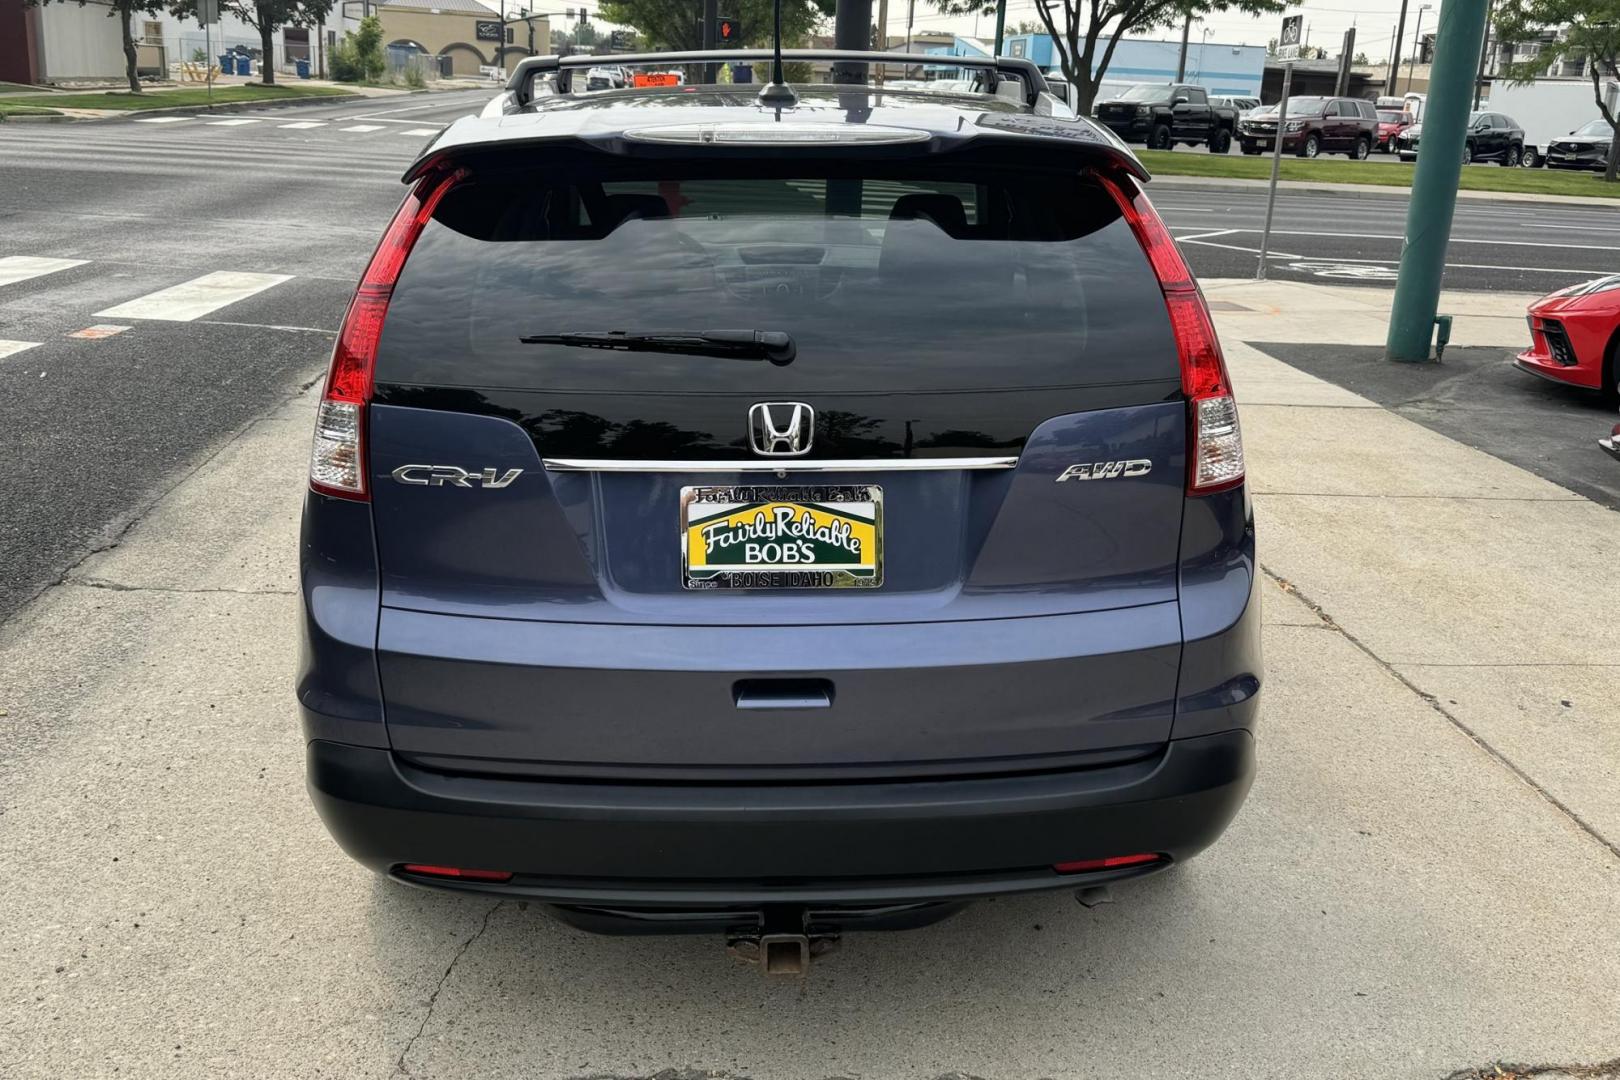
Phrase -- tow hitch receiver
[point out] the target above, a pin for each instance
(782, 943)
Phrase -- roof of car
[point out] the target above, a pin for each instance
(609, 119)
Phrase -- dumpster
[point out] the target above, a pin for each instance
(303, 68)
(227, 63)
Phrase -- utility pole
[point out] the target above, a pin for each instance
(883, 30)
(1001, 26)
(1434, 184)
(1181, 65)
(1417, 47)
(1395, 62)
(1342, 88)
(852, 30)
(1479, 76)
(911, 14)
(711, 15)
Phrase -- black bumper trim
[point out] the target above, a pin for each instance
(635, 844)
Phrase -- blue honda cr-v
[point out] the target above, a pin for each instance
(777, 516)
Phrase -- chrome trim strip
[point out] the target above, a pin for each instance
(766, 465)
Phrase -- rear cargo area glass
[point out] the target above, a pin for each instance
(905, 277)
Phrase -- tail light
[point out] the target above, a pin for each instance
(337, 459)
(1215, 458)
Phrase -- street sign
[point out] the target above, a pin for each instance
(1288, 41)
(727, 31)
(619, 39)
(487, 29)
(207, 11)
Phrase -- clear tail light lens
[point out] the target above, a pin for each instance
(334, 461)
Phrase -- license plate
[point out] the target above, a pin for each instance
(768, 537)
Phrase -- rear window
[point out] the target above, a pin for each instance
(887, 277)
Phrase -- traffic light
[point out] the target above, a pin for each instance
(727, 31)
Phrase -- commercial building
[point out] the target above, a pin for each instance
(467, 33)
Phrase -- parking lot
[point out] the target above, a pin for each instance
(1425, 881)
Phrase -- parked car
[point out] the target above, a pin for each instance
(1163, 114)
(1587, 147)
(1549, 109)
(1491, 137)
(776, 629)
(1315, 126)
(1244, 104)
(1575, 336)
(1391, 122)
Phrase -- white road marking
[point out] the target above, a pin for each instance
(1454, 239)
(15, 268)
(1205, 235)
(1251, 251)
(12, 348)
(363, 127)
(303, 125)
(1473, 266)
(237, 122)
(195, 298)
(420, 132)
(162, 119)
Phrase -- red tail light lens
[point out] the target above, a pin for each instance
(457, 873)
(337, 460)
(1112, 862)
(1215, 461)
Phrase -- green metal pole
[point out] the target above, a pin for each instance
(1001, 26)
(1434, 185)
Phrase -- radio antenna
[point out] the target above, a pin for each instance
(777, 93)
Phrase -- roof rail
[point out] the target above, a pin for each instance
(1025, 71)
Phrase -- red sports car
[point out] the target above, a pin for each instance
(1575, 336)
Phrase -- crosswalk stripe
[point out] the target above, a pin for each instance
(363, 127)
(12, 348)
(162, 119)
(303, 125)
(195, 298)
(15, 268)
(420, 132)
(237, 122)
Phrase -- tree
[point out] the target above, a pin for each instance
(673, 24)
(124, 11)
(1086, 32)
(1587, 29)
(265, 16)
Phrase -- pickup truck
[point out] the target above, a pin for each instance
(1163, 114)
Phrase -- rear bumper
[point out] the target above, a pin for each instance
(688, 845)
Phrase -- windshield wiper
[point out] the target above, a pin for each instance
(773, 345)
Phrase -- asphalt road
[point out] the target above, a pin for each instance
(296, 198)
(1355, 237)
(91, 430)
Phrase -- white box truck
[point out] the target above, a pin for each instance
(1547, 109)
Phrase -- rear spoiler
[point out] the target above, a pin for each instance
(521, 83)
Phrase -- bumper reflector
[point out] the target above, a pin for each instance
(1113, 862)
(457, 873)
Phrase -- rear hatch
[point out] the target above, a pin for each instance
(596, 559)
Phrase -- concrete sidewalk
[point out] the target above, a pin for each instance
(1424, 880)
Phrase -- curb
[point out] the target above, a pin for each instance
(36, 118)
(228, 107)
(1366, 191)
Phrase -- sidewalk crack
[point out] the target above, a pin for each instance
(1434, 703)
(400, 1068)
(116, 586)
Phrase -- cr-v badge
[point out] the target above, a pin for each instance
(1107, 470)
(439, 475)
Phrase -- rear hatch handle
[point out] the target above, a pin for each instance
(782, 693)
